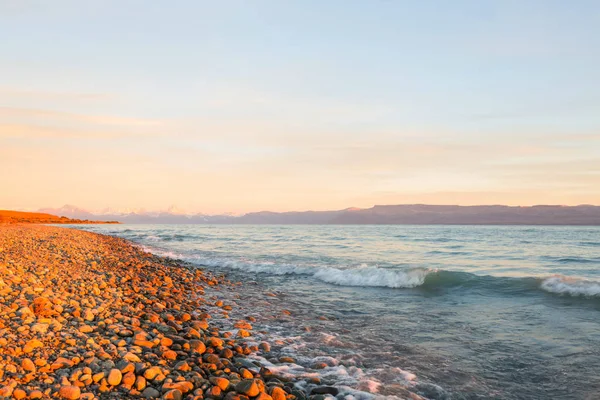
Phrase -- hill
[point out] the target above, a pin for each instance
(21, 217)
(409, 214)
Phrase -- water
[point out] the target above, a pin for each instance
(447, 312)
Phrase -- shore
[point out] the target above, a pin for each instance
(86, 316)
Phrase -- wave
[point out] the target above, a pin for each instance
(571, 286)
(449, 253)
(577, 260)
(429, 279)
(572, 259)
(593, 244)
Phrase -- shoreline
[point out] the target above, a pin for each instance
(85, 315)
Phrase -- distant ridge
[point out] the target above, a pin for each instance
(22, 217)
(403, 214)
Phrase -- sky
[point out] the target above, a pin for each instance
(239, 106)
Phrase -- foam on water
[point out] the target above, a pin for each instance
(367, 276)
(571, 286)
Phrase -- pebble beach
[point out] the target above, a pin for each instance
(90, 316)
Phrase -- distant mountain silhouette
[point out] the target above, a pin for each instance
(418, 214)
(21, 217)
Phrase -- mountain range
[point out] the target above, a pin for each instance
(380, 214)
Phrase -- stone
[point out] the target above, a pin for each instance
(247, 387)
(325, 390)
(214, 342)
(88, 315)
(128, 379)
(264, 346)
(152, 373)
(70, 392)
(173, 394)
(214, 392)
(28, 365)
(39, 328)
(222, 383)
(277, 393)
(19, 394)
(150, 393)
(140, 383)
(197, 346)
(98, 377)
(6, 391)
(243, 333)
(263, 396)
(32, 345)
(169, 355)
(114, 377)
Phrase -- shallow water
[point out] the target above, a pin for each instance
(449, 312)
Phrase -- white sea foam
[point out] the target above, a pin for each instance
(571, 286)
(373, 277)
(363, 275)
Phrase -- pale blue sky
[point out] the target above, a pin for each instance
(300, 104)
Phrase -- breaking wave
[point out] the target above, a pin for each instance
(423, 278)
(570, 286)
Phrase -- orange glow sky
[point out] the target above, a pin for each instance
(296, 106)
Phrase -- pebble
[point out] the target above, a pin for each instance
(82, 312)
(70, 392)
(114, 377)
(247, 387)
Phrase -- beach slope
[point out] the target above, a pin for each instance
(89, 316)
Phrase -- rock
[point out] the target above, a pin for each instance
(298, 394)
(6, 391)
(36, 394)
(88, 315)
(247, 387)
(86, 329)
(28, 365)
(263, 396)
(19, 394)
(150, 393)
(98, 377)
(131, 357)
(325, 390)
(140, 383)
(173, 394)
(214, 342)
(242, 325)
(114, 377)
(235, 396)
(32, 345)
(264, 346)
(69, 392)
(198, 346)
(277, 393)
(169, 355)
(243, 333)
(214, 392)
(62, 362)
(126, 333)
(39, 328)
(152, 373)
(222, 383)
(128, 379)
